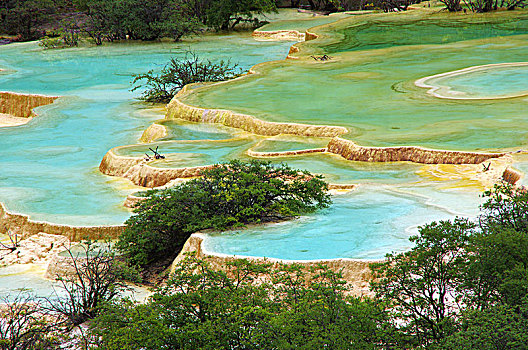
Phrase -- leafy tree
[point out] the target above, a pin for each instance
(498, 272)
(423, 284)
(459, 270)
(137, 19)
(179, 72)
(68, 36)
(324, 5)
(227, 195)
(452, 5)
(497, 328)
(222, 14)
(247, 306)
(24, 17)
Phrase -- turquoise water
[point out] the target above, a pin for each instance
(366, 223)
(24, 279)
(49, 167)
(489, 82)
(195, 131)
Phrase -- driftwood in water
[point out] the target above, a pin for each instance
(157, 155)
(321, 58)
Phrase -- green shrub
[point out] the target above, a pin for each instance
(179, 72)
(227, 195)
(248, 306)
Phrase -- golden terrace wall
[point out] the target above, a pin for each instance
(356, 272)
(177, 109)
(21, 105)
(140, 173)
(511, 176)
(24, 227)
(351, 151)
(289, 35)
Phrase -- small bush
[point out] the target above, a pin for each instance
(179, 72)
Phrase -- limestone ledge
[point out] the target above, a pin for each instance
(36, 249)
(295, 49)
(60, 266)
(177, 109)
(446, 92)
(22, 105)
(154, 132)
(285, 153)
(279, 35)
(511, 176)
(310, 36)
(355, 271)
(131, 201)
(351, 151)
(140, 173)
(25, 227)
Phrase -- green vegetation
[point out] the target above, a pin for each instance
(64, 23)
(136, 19)
(461, 280)
(111, 20)
(203, 308)
(228, 195)
(179, 72)
(24, 17)
(463, 285)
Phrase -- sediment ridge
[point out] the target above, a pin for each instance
(285, 153)
(140, 173)
(177, 109)
(154, 132)
(355, 271)
(277, 35)
(351, 151)
(511, 176)
(445, 91)
(25, 227)
(22, 105)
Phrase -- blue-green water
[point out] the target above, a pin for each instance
(491, 82)
(366, 223)
(49, 167)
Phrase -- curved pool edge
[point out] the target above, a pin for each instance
(25, 227)
(249, 123)
(21, 106)
(139, 172)
(355, 271)
(434, 90)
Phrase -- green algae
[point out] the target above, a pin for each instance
(372, 93)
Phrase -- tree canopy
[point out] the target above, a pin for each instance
(162, 86)
(462, 277)
(247, 306)
(227, 195)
